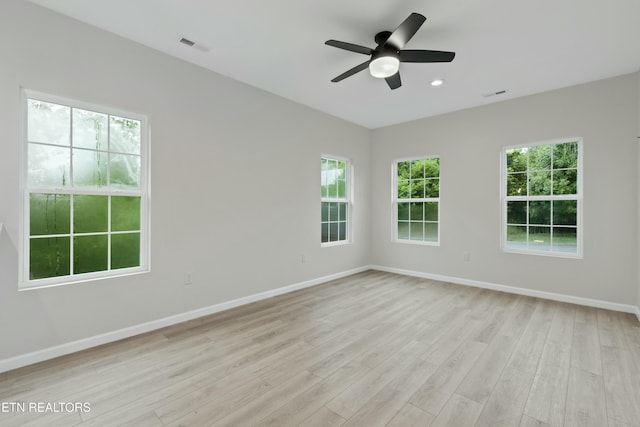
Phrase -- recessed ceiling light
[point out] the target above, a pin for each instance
(437, 82)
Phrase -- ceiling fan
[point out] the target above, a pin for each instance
(385, 59)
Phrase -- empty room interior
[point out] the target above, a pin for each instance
(215, 213)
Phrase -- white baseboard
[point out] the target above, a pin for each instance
(85, 343)
(514, 290)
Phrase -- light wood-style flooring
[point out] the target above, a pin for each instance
(373, 349)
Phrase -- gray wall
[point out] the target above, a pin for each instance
(235, 178)
(604, 113)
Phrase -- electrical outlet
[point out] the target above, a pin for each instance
(187, 278)
(465, 256)
(303, 259)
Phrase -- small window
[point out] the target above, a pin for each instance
(335, 203)
(85, 192)
(416, 201)
(542, 198)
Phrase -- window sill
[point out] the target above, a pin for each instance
(51, 283)
(416, 242)
(542, 253)
(339, 243)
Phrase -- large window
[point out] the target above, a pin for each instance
(85, 192)
(335, 201)
(417, 200)
(542, 198)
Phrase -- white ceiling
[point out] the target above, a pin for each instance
(521, 46)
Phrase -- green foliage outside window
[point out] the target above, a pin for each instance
(541, 197)
(418, 192)
(76, 160)
(334, 205)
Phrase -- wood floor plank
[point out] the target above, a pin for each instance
(386, 403)
(374, 348)
(518, 318)
(527, 353)
(438, 389)
(621, 384)
(307, 403)
(411, 416)
(459, 330)
(327, 366)
(378, 353)
(39, 419)
(282, 369)
(618, 423)
(268, 402)
(212, 399)
(585, 352)
(586, 406)
(458, 411)
(149, 419)
(555, 358)
(495, 320)
(507, 400)
(483, 376)
(433, 331)
(586, 314)
(381, 408)
(528, 421)
(632, 332)
(466, 298)
(561, 329)
(547, 399)
(324, 363)
(323, 417)
(610, 329)
(361, 391)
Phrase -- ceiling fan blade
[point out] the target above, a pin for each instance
(351, 72)
(394, 81)
(350, 47)
(426, 56)
(401, 35)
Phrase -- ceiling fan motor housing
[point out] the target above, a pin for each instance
(382, 37)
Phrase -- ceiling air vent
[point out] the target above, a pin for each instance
(191, 43)
(490, 94)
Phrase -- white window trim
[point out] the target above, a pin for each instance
(394, 201)
(349, 200)
(24, 283)
(578, 197)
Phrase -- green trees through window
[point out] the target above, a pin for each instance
(417, 200)
(84, 194)
(334, 225)
(542, 198)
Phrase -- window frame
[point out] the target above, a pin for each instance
(348, 199)
(24, 280)
(395, 200)
(578, 197)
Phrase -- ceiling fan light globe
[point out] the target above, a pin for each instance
(384, 66)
